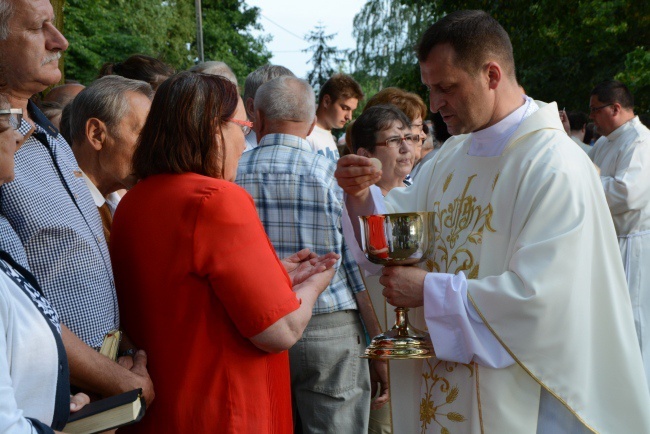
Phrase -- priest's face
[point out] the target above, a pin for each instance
(463, 99)
(603, 116)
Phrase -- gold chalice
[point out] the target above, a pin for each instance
(397, 239)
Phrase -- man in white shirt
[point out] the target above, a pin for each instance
(105, 121)
(522, 294)
(338, 98)
(623, 156)
(253, 82)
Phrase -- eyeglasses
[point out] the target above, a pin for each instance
(15, 117)
(396, 142)
(246, 126)
(593, 110)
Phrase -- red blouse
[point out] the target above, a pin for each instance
(196, 276)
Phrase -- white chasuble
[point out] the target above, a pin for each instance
(624, 159)
(531, 231)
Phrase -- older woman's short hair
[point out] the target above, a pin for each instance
(215, 67)
(363, 133)
(183, 132)
(408, 102)
(106, 100)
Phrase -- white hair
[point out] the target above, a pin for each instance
(215, 67)
(286, 98)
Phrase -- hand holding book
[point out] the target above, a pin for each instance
(108, 413)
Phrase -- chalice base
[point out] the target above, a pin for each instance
(401, 342)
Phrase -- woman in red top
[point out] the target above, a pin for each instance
(200, 287)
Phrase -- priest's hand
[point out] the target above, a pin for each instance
(403, 285)
(355, 174)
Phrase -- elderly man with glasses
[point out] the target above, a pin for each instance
(623, 156)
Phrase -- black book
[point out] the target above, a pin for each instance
(108, 413)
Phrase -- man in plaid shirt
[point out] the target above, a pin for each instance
(300, 205)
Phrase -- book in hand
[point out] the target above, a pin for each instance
(111, 344)
(108, 413)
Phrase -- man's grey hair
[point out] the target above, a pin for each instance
(6, 12)
(105, 99)
(216, 67)
(260, 76)
(286, 99)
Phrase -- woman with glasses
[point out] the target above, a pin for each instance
(199, 284)
(384, 132)
(412, 106)
(34, 376)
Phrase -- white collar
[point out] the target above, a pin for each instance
(618, 132)
(95, 193)
(491, 141)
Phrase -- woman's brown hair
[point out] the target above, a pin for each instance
(183, 130)
(410, 103)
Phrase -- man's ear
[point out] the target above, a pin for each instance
(494, 75)
(617, 108)
(259, 126)
(326, 101)
(96, 133)
(249, 105)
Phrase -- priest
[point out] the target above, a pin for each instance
(524, 295)
(622, 155)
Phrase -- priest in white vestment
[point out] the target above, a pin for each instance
(623, 156)
(524, 294)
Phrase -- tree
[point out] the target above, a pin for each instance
(323, 57)
(111, 30)
(386, 32)
(227, 26)
(57, 6)
(561, 49)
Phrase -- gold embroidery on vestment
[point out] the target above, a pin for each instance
(459, 216)
(463, 221)
(430, 410)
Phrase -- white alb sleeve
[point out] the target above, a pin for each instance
(457, 331)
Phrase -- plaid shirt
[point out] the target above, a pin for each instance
(50, 208)
(300, 205)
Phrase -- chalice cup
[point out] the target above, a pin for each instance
(397, 239)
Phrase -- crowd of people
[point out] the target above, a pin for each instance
(219, 234)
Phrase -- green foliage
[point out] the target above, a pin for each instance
(562, 49)
(323, 58)
(111, 30)
(227, 37)
(637, 77)
(102, 31)
(385, 33)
